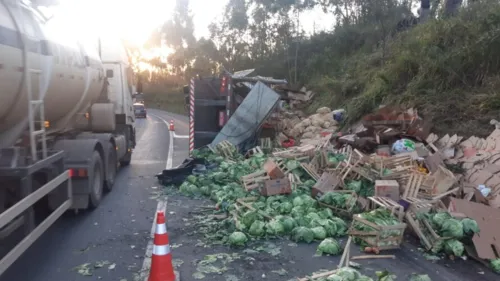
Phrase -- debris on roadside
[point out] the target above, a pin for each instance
(390, 178)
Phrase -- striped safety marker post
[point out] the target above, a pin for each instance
(191, 116)
(162, 268)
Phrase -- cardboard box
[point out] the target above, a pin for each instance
(387, 188)
(276, 187)
(272, 170)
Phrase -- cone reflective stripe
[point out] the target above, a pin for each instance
(161, 250)
(161, 260)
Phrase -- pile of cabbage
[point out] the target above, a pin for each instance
(340, 200)
(382, 217)
(297, 216)
(454, 231)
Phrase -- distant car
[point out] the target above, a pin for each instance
(140, 110)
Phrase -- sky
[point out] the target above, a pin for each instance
(134, 20)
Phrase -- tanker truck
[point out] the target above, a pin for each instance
(66, 123)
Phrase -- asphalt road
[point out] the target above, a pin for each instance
(116, 235)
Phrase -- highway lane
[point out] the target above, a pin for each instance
(115, 236)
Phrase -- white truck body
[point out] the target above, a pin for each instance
(64, 125)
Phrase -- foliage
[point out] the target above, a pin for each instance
(447, 67)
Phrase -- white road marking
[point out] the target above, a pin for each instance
(162, 206)
(146, 265)
(170, 143)
(180, 136)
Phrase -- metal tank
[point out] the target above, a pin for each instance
(65, 73)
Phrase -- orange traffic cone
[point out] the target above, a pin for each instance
(161, 260)
(171, 127)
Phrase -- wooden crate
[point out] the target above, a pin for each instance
(311, 171)
(376, 237)
(246, 203)
(254, 180)
(343, 212)
(225, 149)
(389, 204)
(422, 228)
(254, 152)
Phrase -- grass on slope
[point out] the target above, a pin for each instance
(448, 69)
(171, 100)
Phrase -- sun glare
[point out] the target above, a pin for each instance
(132, 20)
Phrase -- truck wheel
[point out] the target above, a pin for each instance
(111, 170)
(96, 181)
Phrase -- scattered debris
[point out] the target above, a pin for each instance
(373, 184)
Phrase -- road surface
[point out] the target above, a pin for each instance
(118, 232)
(116, 236)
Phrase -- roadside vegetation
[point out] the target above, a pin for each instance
(447, 67)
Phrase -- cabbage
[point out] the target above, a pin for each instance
(326, 213)
(470, 226)
(184, 188)
(454, 247)
(348, 274)
(249, 217)
(307, 201)
(439, 218)
(334, 277)
(191, 179)
(285, 208)
(452, 228)
(237, 239)
(288, 223)
(329, 246)
(420, 277)
(297, 211)
(275, 227)
(319, 232)
(302, 234)
(312, 216)
(340, 226)
(495, 265)
(297, 201)
(329, 226)
(257, 228)
(205, 190)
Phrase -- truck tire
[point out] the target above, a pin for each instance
(130, 139)
(111, 169)
(97, 181)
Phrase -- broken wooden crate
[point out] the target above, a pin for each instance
(387, 203)
(254, 152)
(354, 167)
(383, 237)
(254, 180)
(326, 183)
(301, 153)
(310, 170)
(246, 203)
(442, 180)
(421, 227)
(225, 149)
(350, 205)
